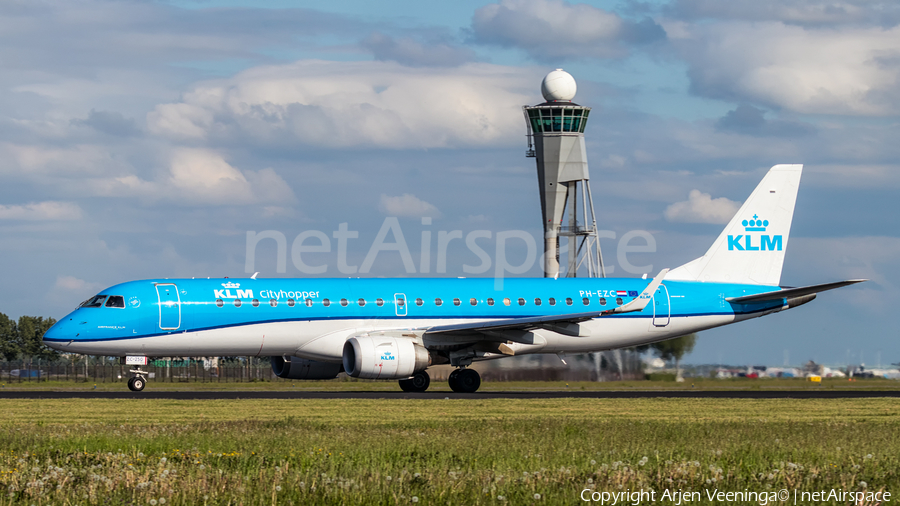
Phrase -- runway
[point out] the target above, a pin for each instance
(437, 395)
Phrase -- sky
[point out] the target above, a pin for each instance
(152, 139)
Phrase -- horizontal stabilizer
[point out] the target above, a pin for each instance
(788, 293)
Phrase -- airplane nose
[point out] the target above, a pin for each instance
(59, 333)
(51, 333)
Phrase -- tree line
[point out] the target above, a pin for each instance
(23, 338)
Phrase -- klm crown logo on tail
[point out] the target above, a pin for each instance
(763, 242)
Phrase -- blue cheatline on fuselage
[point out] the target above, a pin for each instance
(167, 306)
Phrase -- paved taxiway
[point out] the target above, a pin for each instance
(642, 394)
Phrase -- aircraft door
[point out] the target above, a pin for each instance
(400, 303)
(169, 306)
(661, 307)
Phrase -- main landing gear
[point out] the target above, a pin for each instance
(418, 383)
(465, 381)
(137, 382)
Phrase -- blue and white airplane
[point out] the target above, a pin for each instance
(397, 328)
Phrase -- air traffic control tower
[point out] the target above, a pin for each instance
(556, 141)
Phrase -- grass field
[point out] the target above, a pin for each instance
(170, 452)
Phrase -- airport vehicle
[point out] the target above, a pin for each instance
(397, 328)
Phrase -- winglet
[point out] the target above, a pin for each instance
(643, 299)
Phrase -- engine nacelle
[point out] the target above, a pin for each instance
(382, 357)
(301, 368)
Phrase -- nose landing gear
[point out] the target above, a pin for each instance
(138, 381)
(465, 381)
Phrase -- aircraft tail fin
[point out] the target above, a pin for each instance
(751, 248)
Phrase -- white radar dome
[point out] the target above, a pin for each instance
(558, 85)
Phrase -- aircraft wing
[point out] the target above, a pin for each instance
(787, 293)
(554, 322)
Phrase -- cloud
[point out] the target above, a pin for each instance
(67, 291)
(848, 71)
(202, 176)
(551, 30)
(71, 283)
(113, 123)
(806, 12)
(207, 175)
(195, 177)
(410, 52)
(79, 37)
(407, 205)
(746, 119)
(352, 105)
(41, 211)
(44, 158)
(702, 208)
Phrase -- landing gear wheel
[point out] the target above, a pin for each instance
(418, 383)
(465, 381)
(453, 379)
(137, 383)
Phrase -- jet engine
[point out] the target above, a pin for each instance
(301, 368)
(383, 357)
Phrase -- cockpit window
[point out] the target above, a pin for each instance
(115, 301)
(95, 301)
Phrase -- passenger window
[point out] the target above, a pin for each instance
(95, 301)
(255, 302)
(361, 302)
(568, 301)
(585, 301)
(273, 302)
(419, 302)
(602, 301)
(379, 302)
(401, 302)
(237, 302)
(506, 301)
(326, 302)
(490, 302)
(455, 302)
(473, 301)
(309, 303)
(115, 301)
(438, 302)
(619, 300)
(344, 302)
(552, 301)
(220, 302)
(537, 302)
(290, 302)
(521, 301)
